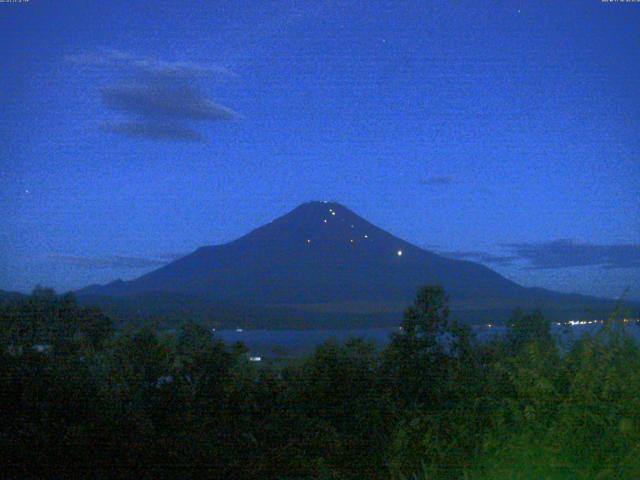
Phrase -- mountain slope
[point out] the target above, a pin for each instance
(322, 257)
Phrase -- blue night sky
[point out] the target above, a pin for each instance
(132, 132)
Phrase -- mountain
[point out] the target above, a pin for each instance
(321, 261)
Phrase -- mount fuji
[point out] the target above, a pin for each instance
(322, 264)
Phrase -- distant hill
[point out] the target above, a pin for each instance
(321, 264)
(8, 297)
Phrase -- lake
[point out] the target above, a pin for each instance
(278, 343)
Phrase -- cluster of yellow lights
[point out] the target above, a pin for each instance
(590, 322)
(582, 322)
(333, 213)
(575, 322)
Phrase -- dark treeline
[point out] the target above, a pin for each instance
(81, 400)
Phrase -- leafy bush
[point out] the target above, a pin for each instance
(94, 402)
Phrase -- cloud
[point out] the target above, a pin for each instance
(566, 253)
(119, 60)
(159, 100)
(438, 181)
(112, 261)
(557, 254)
(154, 131)
(482, 257)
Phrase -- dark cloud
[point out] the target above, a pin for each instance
(113, 261)
(483, 257)
(159, 100)
(438, 181)
(567, 253)
(558, 254)
(154, 131)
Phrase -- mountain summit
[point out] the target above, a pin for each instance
(323, 259)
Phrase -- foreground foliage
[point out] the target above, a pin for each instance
(91, 402)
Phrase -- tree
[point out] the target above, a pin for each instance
(526, 328)
(54, 320)
(419, 356)
(434, 383)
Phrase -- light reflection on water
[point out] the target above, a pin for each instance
(275, 343)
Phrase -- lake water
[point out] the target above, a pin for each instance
(277, 343)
